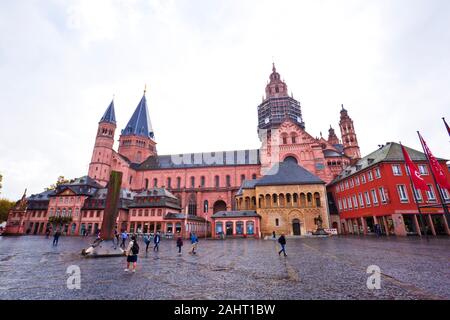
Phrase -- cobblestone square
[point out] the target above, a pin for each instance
(316, 268)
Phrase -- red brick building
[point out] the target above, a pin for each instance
(377, 190)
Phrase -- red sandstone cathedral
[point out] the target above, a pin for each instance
(280, 187)
(207, 182)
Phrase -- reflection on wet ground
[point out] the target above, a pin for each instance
(321, 268)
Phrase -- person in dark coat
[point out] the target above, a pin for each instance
(156, 241)
(56, 237)
(179, 243)
(282, 242)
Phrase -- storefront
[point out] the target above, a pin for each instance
(236, 224)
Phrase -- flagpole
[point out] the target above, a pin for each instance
(415, 198)
(444, 206)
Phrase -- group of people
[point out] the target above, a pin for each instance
(132, 250)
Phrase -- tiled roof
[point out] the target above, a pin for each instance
(109, 115)
(172, 215)
(139, 123)
(205, 159)
(331, 153)
(235, 214)
(156, 192)
(246, 184)
(43, 196)
(288, 173)
(390, 152)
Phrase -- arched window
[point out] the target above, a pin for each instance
(202, 181)
(155, 183)
(294, 138)
(169, 183)
(281, 200)
(217, 181)
(205, 206)
(146, 184)
(268, 201)
(309, 198)
(254, 176)
(317, 199)
(242, 177)
(275, 200)
(192, 205)
(295, 199)
(302, 200)
(192, 182)
(228, 181)
(131, 179)
(178, 183)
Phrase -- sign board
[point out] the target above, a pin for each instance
(331, 231)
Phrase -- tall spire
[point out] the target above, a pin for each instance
(109, 115)
(139, 123)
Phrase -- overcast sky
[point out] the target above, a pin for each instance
(206, 64)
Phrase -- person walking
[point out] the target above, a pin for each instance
(124, 237)
(179, 243)
(56, 237)
(194, 242)
(146, 241)
(282, 242)
(274, 235)
(156, 241)
(116, 238)
(132, 254)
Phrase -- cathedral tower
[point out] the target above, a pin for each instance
(100, 166)
(278, 106)
(348, 134)
(137, 139)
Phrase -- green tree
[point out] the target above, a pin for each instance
(61, 180)
(5, 205)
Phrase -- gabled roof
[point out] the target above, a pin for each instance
(139, 123)
(109, 115)
(391, 152)
(198, 160)
(288, 173)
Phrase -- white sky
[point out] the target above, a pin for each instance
(206, 64)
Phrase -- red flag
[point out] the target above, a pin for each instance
(436, 168)
(418, 181)
(446, 125)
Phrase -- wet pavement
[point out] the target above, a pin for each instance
(316, 268)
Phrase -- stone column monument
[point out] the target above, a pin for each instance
(104, 246)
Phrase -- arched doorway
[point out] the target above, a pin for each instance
(219, 205)
(296, 227)
(290, 159)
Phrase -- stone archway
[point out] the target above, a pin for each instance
(219, 205)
